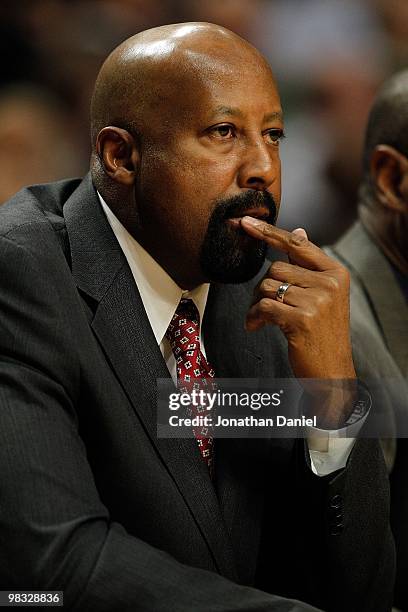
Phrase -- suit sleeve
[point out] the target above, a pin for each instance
(55, 532)
(352, 518)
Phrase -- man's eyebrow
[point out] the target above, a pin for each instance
(235, 112)
(277, 115)
(227, 110)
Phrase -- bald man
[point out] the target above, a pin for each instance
(169, 229)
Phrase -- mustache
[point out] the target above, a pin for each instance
(236, 206)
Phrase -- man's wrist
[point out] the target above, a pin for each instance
(336, 404)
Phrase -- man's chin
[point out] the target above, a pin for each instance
(230, 255)
(233, 269)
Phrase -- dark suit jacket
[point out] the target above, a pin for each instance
(379, 321)
(94, 504)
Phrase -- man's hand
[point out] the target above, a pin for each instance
(314, 316)
(315, 313)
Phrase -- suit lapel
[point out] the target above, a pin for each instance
(379, 282)
(121, 326)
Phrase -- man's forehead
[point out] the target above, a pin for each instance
(210, 101)
(223, 85)
(233, 95)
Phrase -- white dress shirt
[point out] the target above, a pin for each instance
(161, 296)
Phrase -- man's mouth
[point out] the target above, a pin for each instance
(261, 213)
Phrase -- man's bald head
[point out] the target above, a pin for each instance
(149, 72)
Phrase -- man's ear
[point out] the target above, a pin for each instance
(389, 171)
(117, 149)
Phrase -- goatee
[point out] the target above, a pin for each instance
(228, 254)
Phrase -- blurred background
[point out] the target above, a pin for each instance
(329, 59)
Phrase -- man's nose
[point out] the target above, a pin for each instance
(260, 166)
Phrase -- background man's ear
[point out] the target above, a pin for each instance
(119, 155)
(389, 171)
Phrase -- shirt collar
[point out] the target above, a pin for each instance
(160, 294)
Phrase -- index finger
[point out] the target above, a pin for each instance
(300, 250)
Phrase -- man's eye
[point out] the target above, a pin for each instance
(223, 131)
(274, 136)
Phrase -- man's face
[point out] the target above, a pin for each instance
(209, 155)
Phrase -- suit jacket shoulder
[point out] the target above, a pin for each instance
(34, 217)
(377, 301)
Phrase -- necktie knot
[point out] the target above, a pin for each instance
(183, 332)
(189, 310)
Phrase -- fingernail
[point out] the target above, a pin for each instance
(252, 221)
(299, 236)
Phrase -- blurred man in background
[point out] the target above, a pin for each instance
(376, 252)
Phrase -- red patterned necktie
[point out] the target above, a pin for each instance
(193, 370)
